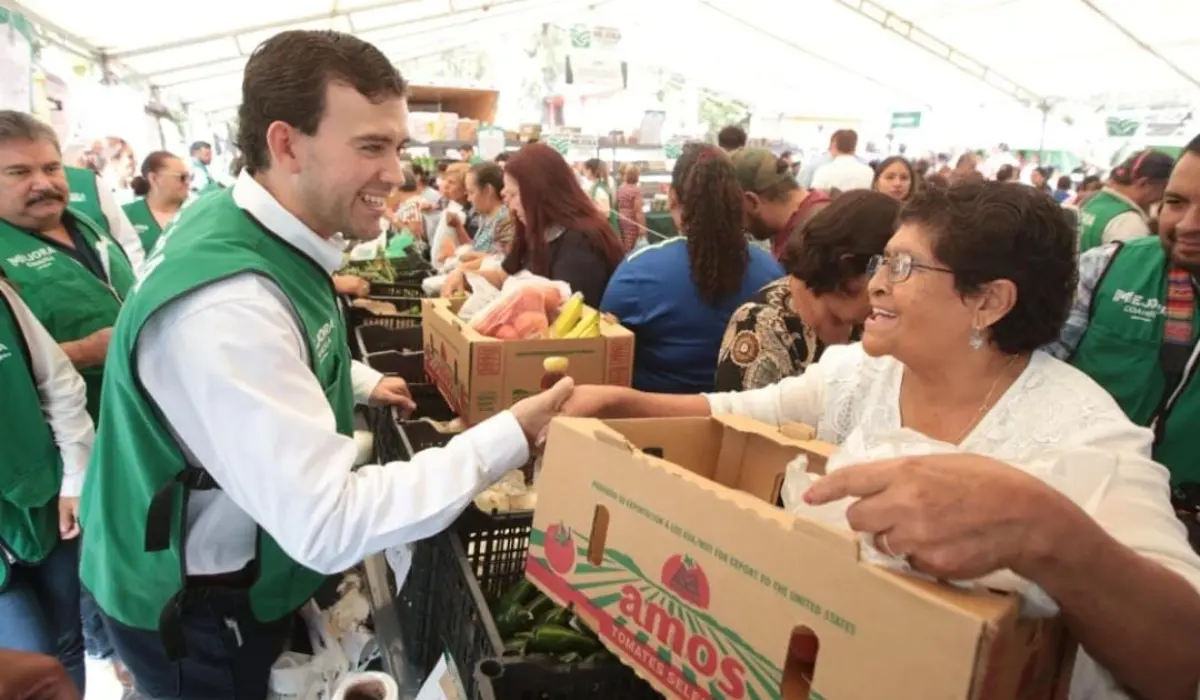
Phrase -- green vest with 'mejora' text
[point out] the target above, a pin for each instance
(1120, 350)
(135, 500)
(1094, 216)
(85, 196)
(30, 463)
(70, 300)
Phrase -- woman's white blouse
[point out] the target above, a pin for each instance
(1053, 422)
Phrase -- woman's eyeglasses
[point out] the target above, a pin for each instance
(899, 267)
(182, 177)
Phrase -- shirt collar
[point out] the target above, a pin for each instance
(259, 203)
(1128, 201)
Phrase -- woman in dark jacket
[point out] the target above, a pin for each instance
(558, 232)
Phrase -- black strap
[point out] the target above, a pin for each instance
(158, 517)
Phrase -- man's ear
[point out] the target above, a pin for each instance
(282, 144)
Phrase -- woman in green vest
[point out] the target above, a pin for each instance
(162, 188)
(1121, 211)
(597, 173)
(45, 441)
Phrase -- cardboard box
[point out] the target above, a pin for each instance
(481, 376)
(690, 575)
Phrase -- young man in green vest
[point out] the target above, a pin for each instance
(202, 180)
(45, 440)
(1121, 211)
(1135, 322)
(92, 198)
(223, 489)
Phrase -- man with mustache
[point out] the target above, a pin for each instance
(1134, 324)
(222, 489)
(70, 272)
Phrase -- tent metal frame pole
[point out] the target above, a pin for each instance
(1142, 44)
(907, 30)
(264, 27)
(797, 47)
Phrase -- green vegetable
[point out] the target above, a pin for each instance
(540, 606)
(580, 626)
(556, 639)
(555, 616)
(570, 658)
(517, 596)
(599, 657)
(514, 621)
(515, 646)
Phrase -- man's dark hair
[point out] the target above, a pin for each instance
(1006, 173)
(986, 231)
(835, 245)
(502, 157)
(1064, 183)
(731, 138)
(785, 154)
(199, 146)
(845, 141)
(286, 80)
(1193, 146)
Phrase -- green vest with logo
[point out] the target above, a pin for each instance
(30, 463)
(68, 299)
(85, 197)
(1094, 216)
(144, 223)
(1120, 351)
(135, 500)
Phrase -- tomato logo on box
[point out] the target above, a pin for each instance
(686, 579)
(560, 549)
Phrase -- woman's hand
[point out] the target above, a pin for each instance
(953, 516)
(588, 401)
(456, 283)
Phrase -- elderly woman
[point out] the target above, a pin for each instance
(822, 300)
(1016, 462)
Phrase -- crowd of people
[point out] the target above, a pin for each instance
(1009, 385)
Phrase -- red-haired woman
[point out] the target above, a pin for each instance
(558, 232)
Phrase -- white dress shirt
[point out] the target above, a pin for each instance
(843, 173)
(64, 396)
(227, 365)
(121, 227)
(1054, 423)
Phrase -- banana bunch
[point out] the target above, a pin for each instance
(574, 321)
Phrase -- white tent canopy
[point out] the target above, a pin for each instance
(852, 53)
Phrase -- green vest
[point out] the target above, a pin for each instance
(143, 222)
(65, 296)
(135, 501)
(613, 219)
(30, 463)
(1120, 352)
(85, 197)
(1094, 216)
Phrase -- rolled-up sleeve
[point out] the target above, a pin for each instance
(364, 379)
(63, 394)
(248, 408)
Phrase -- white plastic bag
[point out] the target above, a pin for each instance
(483, 294)
(511, 286)
(312, 677)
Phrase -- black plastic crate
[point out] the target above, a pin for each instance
(371, 339)
(409, 366)
(418, 435)
(402, 288)
(408, 316)
(444, 602)
(539, 678)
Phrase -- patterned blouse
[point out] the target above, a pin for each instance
(765, 342)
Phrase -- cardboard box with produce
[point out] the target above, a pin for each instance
(518, 346)
(662, 536)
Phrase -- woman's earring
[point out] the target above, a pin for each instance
(976, 338)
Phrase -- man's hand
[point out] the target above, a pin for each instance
(393, 391)
(89, 351)
(535, 412)
(953, 516)
(351, 285)
(68, 518)
(425, 205)
(588, 401)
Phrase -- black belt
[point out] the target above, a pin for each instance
(1186, 500)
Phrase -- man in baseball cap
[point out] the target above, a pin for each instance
(1121, 211)
(773, 204)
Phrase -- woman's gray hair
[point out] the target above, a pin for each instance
(19, 126)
